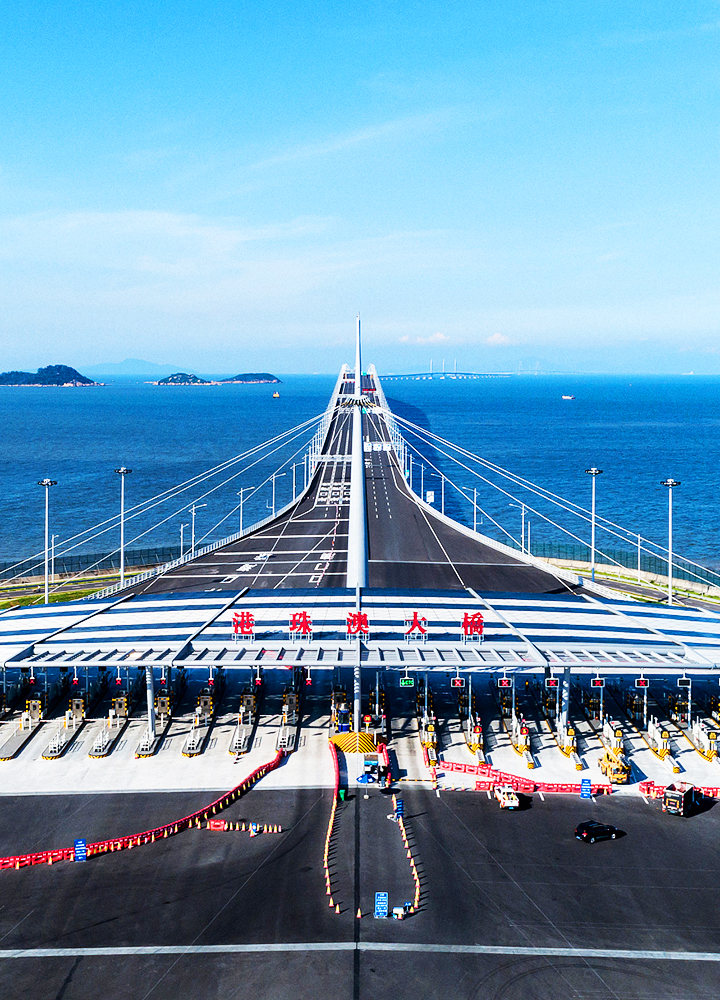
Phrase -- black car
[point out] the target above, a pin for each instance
(592, 831)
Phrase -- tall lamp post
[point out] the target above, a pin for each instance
(594, 473)
(195, 506)
(182, 539)
(47, 483)
(522, 523)
(670, 483)
(250, 489)
(122, 472)
(275, 475)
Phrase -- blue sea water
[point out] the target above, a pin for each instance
(639, 430)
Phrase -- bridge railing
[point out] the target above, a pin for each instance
(398, 441)
(316, 448)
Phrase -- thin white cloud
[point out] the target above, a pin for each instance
(498, 340)
(391, 129)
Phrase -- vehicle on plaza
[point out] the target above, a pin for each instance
(615, 767)
(679, 798)
(507, 797)
(591, 830)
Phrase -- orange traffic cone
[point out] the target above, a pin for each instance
(359, 914)
(337, 908)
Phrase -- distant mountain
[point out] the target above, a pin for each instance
(249, 377)
(182, 378)
(131, 366)
(51, 375)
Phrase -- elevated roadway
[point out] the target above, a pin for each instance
(409, 545)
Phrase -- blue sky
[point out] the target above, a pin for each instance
(223, 185)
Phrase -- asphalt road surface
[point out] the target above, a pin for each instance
(307, 546)
(249, 917)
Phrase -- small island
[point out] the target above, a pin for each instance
(60, 375)
(182, 378)
(246, 378)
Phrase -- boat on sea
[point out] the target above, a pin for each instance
(276, 395)
(568, 397)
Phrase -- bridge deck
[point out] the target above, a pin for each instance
(408, 545)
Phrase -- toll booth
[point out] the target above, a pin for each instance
(376, 708)
(248, 707)
(679, 707)
(659, 737)
(506, 702)
(340, 711)
(121, 706)
(77, 708)
(424, 698)
(290, 707)
(549, 703)
(634, 707)
(591, 704)
(705, 739)
(205, 703)
(35, 708)
(164, 704)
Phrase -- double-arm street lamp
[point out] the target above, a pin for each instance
(122, 472)
(47, 483)
(670, 483)
(594, 473)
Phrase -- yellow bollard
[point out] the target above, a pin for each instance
(165, 834)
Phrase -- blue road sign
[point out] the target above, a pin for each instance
(381, 905)
(400, 807)
(585, 789)
(81, 850)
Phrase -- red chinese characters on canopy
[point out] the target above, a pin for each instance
(243, 623)
(472, 625)
(416, 624)
(357, 623)
(300, 623)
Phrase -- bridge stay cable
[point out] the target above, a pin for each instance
(628, 536)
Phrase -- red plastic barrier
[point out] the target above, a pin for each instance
(147, 836)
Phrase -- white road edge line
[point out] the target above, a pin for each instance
(457, 949)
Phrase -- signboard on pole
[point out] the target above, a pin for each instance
(407, 682)
(381, 905)
(80, 850)
(430, 496)
(585, 789)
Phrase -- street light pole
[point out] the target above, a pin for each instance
(275, 475)
(522, 523)
(122, 472)
(422, 481)
(182, 539)
(670, 483)
(195, 506)
(241, 494)
(47, 483)
(594, 473)
(52, 558)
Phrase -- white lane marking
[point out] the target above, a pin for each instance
(454, 949)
